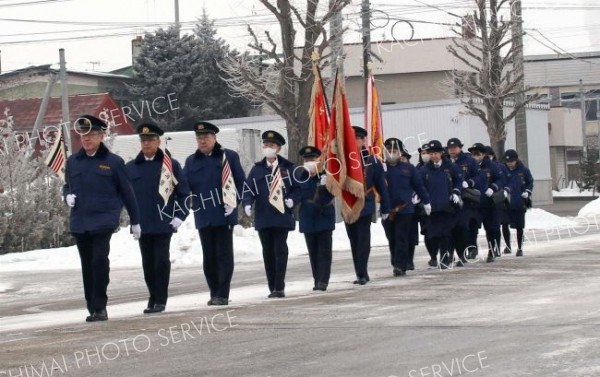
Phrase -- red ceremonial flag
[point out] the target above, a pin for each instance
(344, 167)
(373, 123)
(319, 122)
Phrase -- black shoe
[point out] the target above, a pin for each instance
(210, 302)
(519, 253)
(157, 308)
(277, 294)
(490, 257)
(410, 266)
(397, 271)
(362, 281)
(507, 250)
(99, 315)
(472, 254)
(433, 263)
(220, 301)
(321, 286)
(460, 263)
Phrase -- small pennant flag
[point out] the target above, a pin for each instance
(276, 188)
(57, 158)
(168, 181)
(227, 184)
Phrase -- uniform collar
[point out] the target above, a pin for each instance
(100, 153)
(140, 158)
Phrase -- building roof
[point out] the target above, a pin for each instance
(25, 111)
(48, 68)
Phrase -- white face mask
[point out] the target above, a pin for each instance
(269, 152)
(425, 157)
(311, 166)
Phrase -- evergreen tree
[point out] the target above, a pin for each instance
(588, 176)
(185, 67)
(165, 68)
(213, 99)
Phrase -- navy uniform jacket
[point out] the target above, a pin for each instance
(145, 177)
(203, 174)
(101, 186)
(518, 181)
(441, 183)
(374, 180)
(494, 179)
(256, 191)
(470, 170)
(403, 179)
(317, 212)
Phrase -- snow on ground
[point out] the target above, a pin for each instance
(186, 249)
(590, 209)
(569, 192)
(537, 218)
(4, 287)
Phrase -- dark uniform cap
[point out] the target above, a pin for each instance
(149, 127)
(435, 146)
(89, 122)
(205, 128)
(309, 151)
(454, 142)
(478, 147)
(273, 137)
(359, 131)
(396, 144)
(489, 150)
(511, 155)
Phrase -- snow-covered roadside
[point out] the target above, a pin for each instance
(186, 249)
(570, 192)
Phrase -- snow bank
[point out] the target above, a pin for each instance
(185, 249)
(537, 218)
(590, 209)
(569, 192)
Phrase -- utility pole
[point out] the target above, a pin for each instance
(582, 104)
(65, 97)
(41, 114)
(366, 44)
(337, 44)
(177, 14)
(516, 15)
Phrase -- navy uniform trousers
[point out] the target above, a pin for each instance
(275, 256)
(359, 234)
(319, 252)
(217, 254)
(399, 234)
(157, 266)
(95, 267)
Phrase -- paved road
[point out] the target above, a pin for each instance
(532, 316)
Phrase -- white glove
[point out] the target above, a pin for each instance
(465, 184)
(323, 180)
(137, 231)
(289, 203)
(505, 194)
(228, 210)
(248, 210)
(525, 195)
(427, 208)
(384, 216)
(415, 200)
(71, 200)
(455, 199)
(489, 192)
(176, 223)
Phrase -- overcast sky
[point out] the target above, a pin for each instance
(570, 25)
